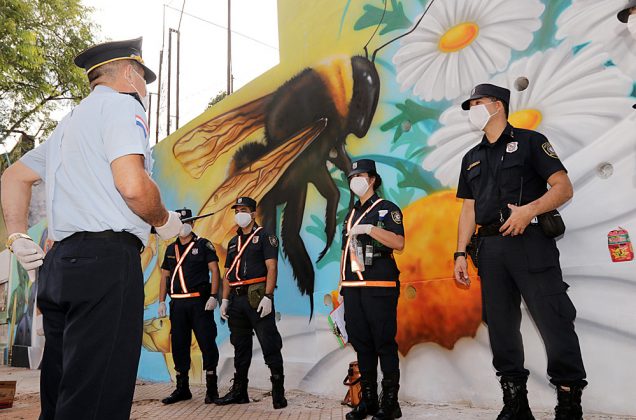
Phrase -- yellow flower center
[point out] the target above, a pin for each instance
(526, 118)
(458, 37)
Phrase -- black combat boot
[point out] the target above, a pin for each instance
(389, 406)
(569, 407)
(181, 393)
(368, 403)
(515, 397)
(211, 390)
(278, 391)
(237, 393)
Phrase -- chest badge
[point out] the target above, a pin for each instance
(512, 147)
(195, 251)
(255, 239)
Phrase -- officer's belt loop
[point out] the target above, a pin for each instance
(349, 227)
(177, 268)
(240, 253)
(248, 282)
(370, 283)
(185, 295)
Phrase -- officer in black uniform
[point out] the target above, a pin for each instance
(185, 274)
(370, 288)
(503, 182)
(248, 303)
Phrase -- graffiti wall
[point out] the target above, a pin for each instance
(348, 88)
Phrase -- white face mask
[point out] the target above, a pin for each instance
(359, 185)
(479, 116)
(145, 100)
(631, 25)
(243, 219)
(186, 229)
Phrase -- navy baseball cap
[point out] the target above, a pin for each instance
(362, 166)
(98, 55)
(184, 213)
(245, 201)
(487, 90)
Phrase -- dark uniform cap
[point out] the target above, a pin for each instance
(362, 166)
(487, 90)
(623, 15)
(184, 213)
(245, 201)
(108, 52)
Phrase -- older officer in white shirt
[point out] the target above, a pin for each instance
(101, 204)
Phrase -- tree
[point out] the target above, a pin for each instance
(40, 38)
(218, 98)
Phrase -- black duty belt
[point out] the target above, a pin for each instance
(490, 230)
(108, 235)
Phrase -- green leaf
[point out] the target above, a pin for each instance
(410, 113)
(394, 18)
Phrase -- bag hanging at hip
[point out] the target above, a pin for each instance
(352, 380)
(551, 223)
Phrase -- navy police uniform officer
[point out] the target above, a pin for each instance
(503, 179)
(185, 274)
(248, 299)
(370, 288)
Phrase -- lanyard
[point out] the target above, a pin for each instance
(349, 227)
(178, 269)
(242, 248)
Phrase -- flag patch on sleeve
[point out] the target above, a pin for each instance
(141, 122)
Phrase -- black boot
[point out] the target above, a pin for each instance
(569, 407)
(389, 406)
(181, 393)
(515, 397)
(368, 403)
(237, 393)
(211, 390)
(278, 391)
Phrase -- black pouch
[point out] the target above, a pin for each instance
(472, 249)
(255, 293)
(551, 223)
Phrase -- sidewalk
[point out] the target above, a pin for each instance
(302, 406)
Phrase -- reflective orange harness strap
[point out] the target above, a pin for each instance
(370, 283)
(178, 269)
(237, 259)
(346, 249)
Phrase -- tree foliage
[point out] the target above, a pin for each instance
(40, 38)
(218, 98)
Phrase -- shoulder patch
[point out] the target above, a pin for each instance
(396, 216)
(273, 240)
(549, 150)
(141, 123)
(472, 165)
(209, 246)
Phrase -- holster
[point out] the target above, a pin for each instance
(472, 249)
(255, 293)
(551, 223)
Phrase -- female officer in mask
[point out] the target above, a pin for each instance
(372, 230)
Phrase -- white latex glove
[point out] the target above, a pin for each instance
(28, 253)
(161, 312)
(171, 228)
(39, 325)
(211, 304)
(265, 307)
(186, 229)
(224, 304)
(360, 230)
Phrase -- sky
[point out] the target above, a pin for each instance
(203, 43)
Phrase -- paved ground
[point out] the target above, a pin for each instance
(302, 406)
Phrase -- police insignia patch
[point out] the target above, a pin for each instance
(195, 251)
(396, 216)
(512, 147)
(273, 240)
(549, 150)
(255, 240)
(209, 245)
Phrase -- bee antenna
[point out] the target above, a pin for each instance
(403, 35)
(366, 52)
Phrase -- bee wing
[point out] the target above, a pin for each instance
(253, 181)
(197, 149)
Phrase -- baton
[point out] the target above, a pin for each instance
(192, 219)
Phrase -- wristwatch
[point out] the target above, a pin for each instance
(459, 254)
(13, 237)
(270, 296)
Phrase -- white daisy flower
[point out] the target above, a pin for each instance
(595, 21)
(572, 98)
(459, 43)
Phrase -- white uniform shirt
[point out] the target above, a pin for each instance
(75, 165)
